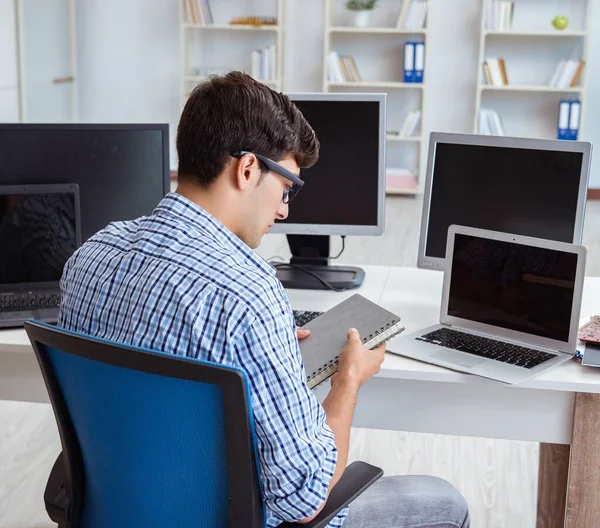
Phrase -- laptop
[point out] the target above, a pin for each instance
(40, 229)
(510, 306)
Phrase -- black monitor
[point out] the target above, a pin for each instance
(344, 192)
(529, 187)
(122, 170)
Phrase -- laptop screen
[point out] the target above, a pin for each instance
(512, 286)
(38, 234)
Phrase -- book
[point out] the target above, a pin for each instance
(590, 331)
(400, 179)
(591, 355)
(329, 335)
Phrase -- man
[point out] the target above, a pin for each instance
(186, 281)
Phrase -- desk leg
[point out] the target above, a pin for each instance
(552, 485)
(583, 490)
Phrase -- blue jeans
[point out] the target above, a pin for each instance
(411, 501)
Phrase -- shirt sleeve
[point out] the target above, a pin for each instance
(296, 447)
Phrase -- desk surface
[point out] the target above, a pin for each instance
(414, 294)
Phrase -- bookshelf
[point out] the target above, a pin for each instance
(532, 50)
(212, 44)
(377, 54)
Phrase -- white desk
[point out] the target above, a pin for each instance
(560, 407)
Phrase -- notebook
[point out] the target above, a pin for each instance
(329, 335)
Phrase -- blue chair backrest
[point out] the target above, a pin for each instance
(154, 444)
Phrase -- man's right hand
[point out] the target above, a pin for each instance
(357, 364)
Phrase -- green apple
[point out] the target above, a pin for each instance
(560, 22)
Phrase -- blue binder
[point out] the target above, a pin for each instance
(409, 62)
(419, 61)
(574, 117)
(564, 111)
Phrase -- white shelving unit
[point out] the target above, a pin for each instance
(532, 49)
(220, 47)
(378, 51)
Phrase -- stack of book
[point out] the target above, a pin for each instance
(411, 122)
(567, 73)
(263, 63)
(500, 15)
(198, 12)
(342, 68)
(413, 14)
(490, 123)
(399, 179)
(494, 72)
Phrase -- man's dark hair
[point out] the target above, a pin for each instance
(233, 112)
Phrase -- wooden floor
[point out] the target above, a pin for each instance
(497, 477)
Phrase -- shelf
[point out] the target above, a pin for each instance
(540, 33)
(406, 192)
(393, 137)
(378, 30)
(376, 84)
(232, 27)
(530, 88)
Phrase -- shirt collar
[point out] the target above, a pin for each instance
(174, 204)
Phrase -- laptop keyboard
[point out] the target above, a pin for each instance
(29, 301)
(303, 317)
(519, 356)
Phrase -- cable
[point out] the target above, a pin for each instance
(288, 265)
(308, 272)
(343, 247)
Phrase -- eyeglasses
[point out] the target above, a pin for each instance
(291, 191)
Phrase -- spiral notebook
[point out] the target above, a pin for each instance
(329, 335)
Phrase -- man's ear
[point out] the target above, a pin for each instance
(247, 171)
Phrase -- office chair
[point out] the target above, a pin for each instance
(151, 439)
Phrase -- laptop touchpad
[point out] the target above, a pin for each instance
(457, 358)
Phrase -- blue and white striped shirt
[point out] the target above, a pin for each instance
(179, 281)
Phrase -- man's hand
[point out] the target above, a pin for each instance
(357, 364)
(301, 333)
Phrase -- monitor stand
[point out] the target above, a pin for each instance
(311, 253)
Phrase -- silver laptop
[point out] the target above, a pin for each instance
(40, 229)
(510, 306)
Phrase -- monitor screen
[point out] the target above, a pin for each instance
(345, 187)
(513, 286)
(524, 191)
(38, 234)
(122, 170)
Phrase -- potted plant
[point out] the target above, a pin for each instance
(362, 10)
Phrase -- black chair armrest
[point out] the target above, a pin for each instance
(357, 477)
(56, 496)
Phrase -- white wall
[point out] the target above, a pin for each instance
(9, 83)
(128, 62)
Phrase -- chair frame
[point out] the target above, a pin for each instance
(245, 506)
(65, 489)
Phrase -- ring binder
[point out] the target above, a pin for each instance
(329, 335)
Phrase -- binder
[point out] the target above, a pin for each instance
(574, 115)
(419, 61)
(409, 62)
(564, 109)
(329, 334)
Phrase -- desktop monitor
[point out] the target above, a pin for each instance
(344, 192)
(122, 170)
(529, 187)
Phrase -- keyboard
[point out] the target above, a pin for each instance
(302, 317)
(517, 355)
(29, 301)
